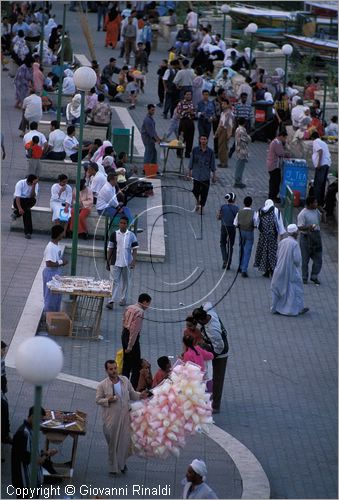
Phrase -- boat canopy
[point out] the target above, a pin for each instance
(258, 12)
(323, 5)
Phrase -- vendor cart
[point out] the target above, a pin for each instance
(87, 295)
(57, 426)
(167, 147)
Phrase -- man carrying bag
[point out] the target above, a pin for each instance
(215, 338)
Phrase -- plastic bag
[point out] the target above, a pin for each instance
(119, 359)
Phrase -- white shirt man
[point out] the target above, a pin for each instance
(121, 258)
(205, 41)
(321, 154)
(70, 144)
(107, 202)
(192, 20)
(56, 140)
(297, 114)
(32, 133)
(96, 182)
(222, 45)
(24, 190)
(321, 159)
(229, 51)
(32, 105)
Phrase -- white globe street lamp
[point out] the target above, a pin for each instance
(39, 361)
(84, 79)
(287, 50)
(252, 28)
(225, 10)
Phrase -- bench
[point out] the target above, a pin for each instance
(65, 99)
(42, 222)
(50, 169)
(91, 132)
(81, 60)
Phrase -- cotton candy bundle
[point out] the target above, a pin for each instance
(179, 407)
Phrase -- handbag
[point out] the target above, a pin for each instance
(208, 343)
(64, 216)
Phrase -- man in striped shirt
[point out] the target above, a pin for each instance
(132, 323)
(244, 110)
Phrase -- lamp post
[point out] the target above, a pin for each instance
(84, 78)
(225, 10)
(39, 361)
(42, 27)
(287, 50)
(325, 97)
(252, 28)
(61, 63)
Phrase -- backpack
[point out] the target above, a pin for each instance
(208, 343)
(139, 188)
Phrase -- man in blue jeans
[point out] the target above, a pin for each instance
(246, 220)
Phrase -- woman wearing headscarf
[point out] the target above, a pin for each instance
(20, 49)
(73, 110)
(249, 58)
(48, 28)
(112, 26)
(38, 78)
(100, 153)
(108, 165)
(23, 81)
(68, 86)
(286, 285)
(270, 227)
(86, 204)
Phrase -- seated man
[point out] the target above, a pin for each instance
(183, 40)
(96, 179)
(101, 114)
(33, 131)
(107, 201)
(25, 195)
(55, 149)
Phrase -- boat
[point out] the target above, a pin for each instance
(318, 46)
(262, 17)
(325, 9)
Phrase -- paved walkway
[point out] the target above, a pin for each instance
(280, 396)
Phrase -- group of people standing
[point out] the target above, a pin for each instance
(285, 261)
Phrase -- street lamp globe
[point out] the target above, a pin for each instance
(85, 78)
(39, 360)
(287, 49)
(225, 9)
(251, 28)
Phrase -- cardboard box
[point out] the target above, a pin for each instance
(59, 323)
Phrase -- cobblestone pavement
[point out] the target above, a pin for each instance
(280, 394)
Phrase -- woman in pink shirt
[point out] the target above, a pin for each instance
(195, 353)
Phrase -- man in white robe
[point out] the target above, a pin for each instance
(287, 286)
(195, 486)
(114, 395)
